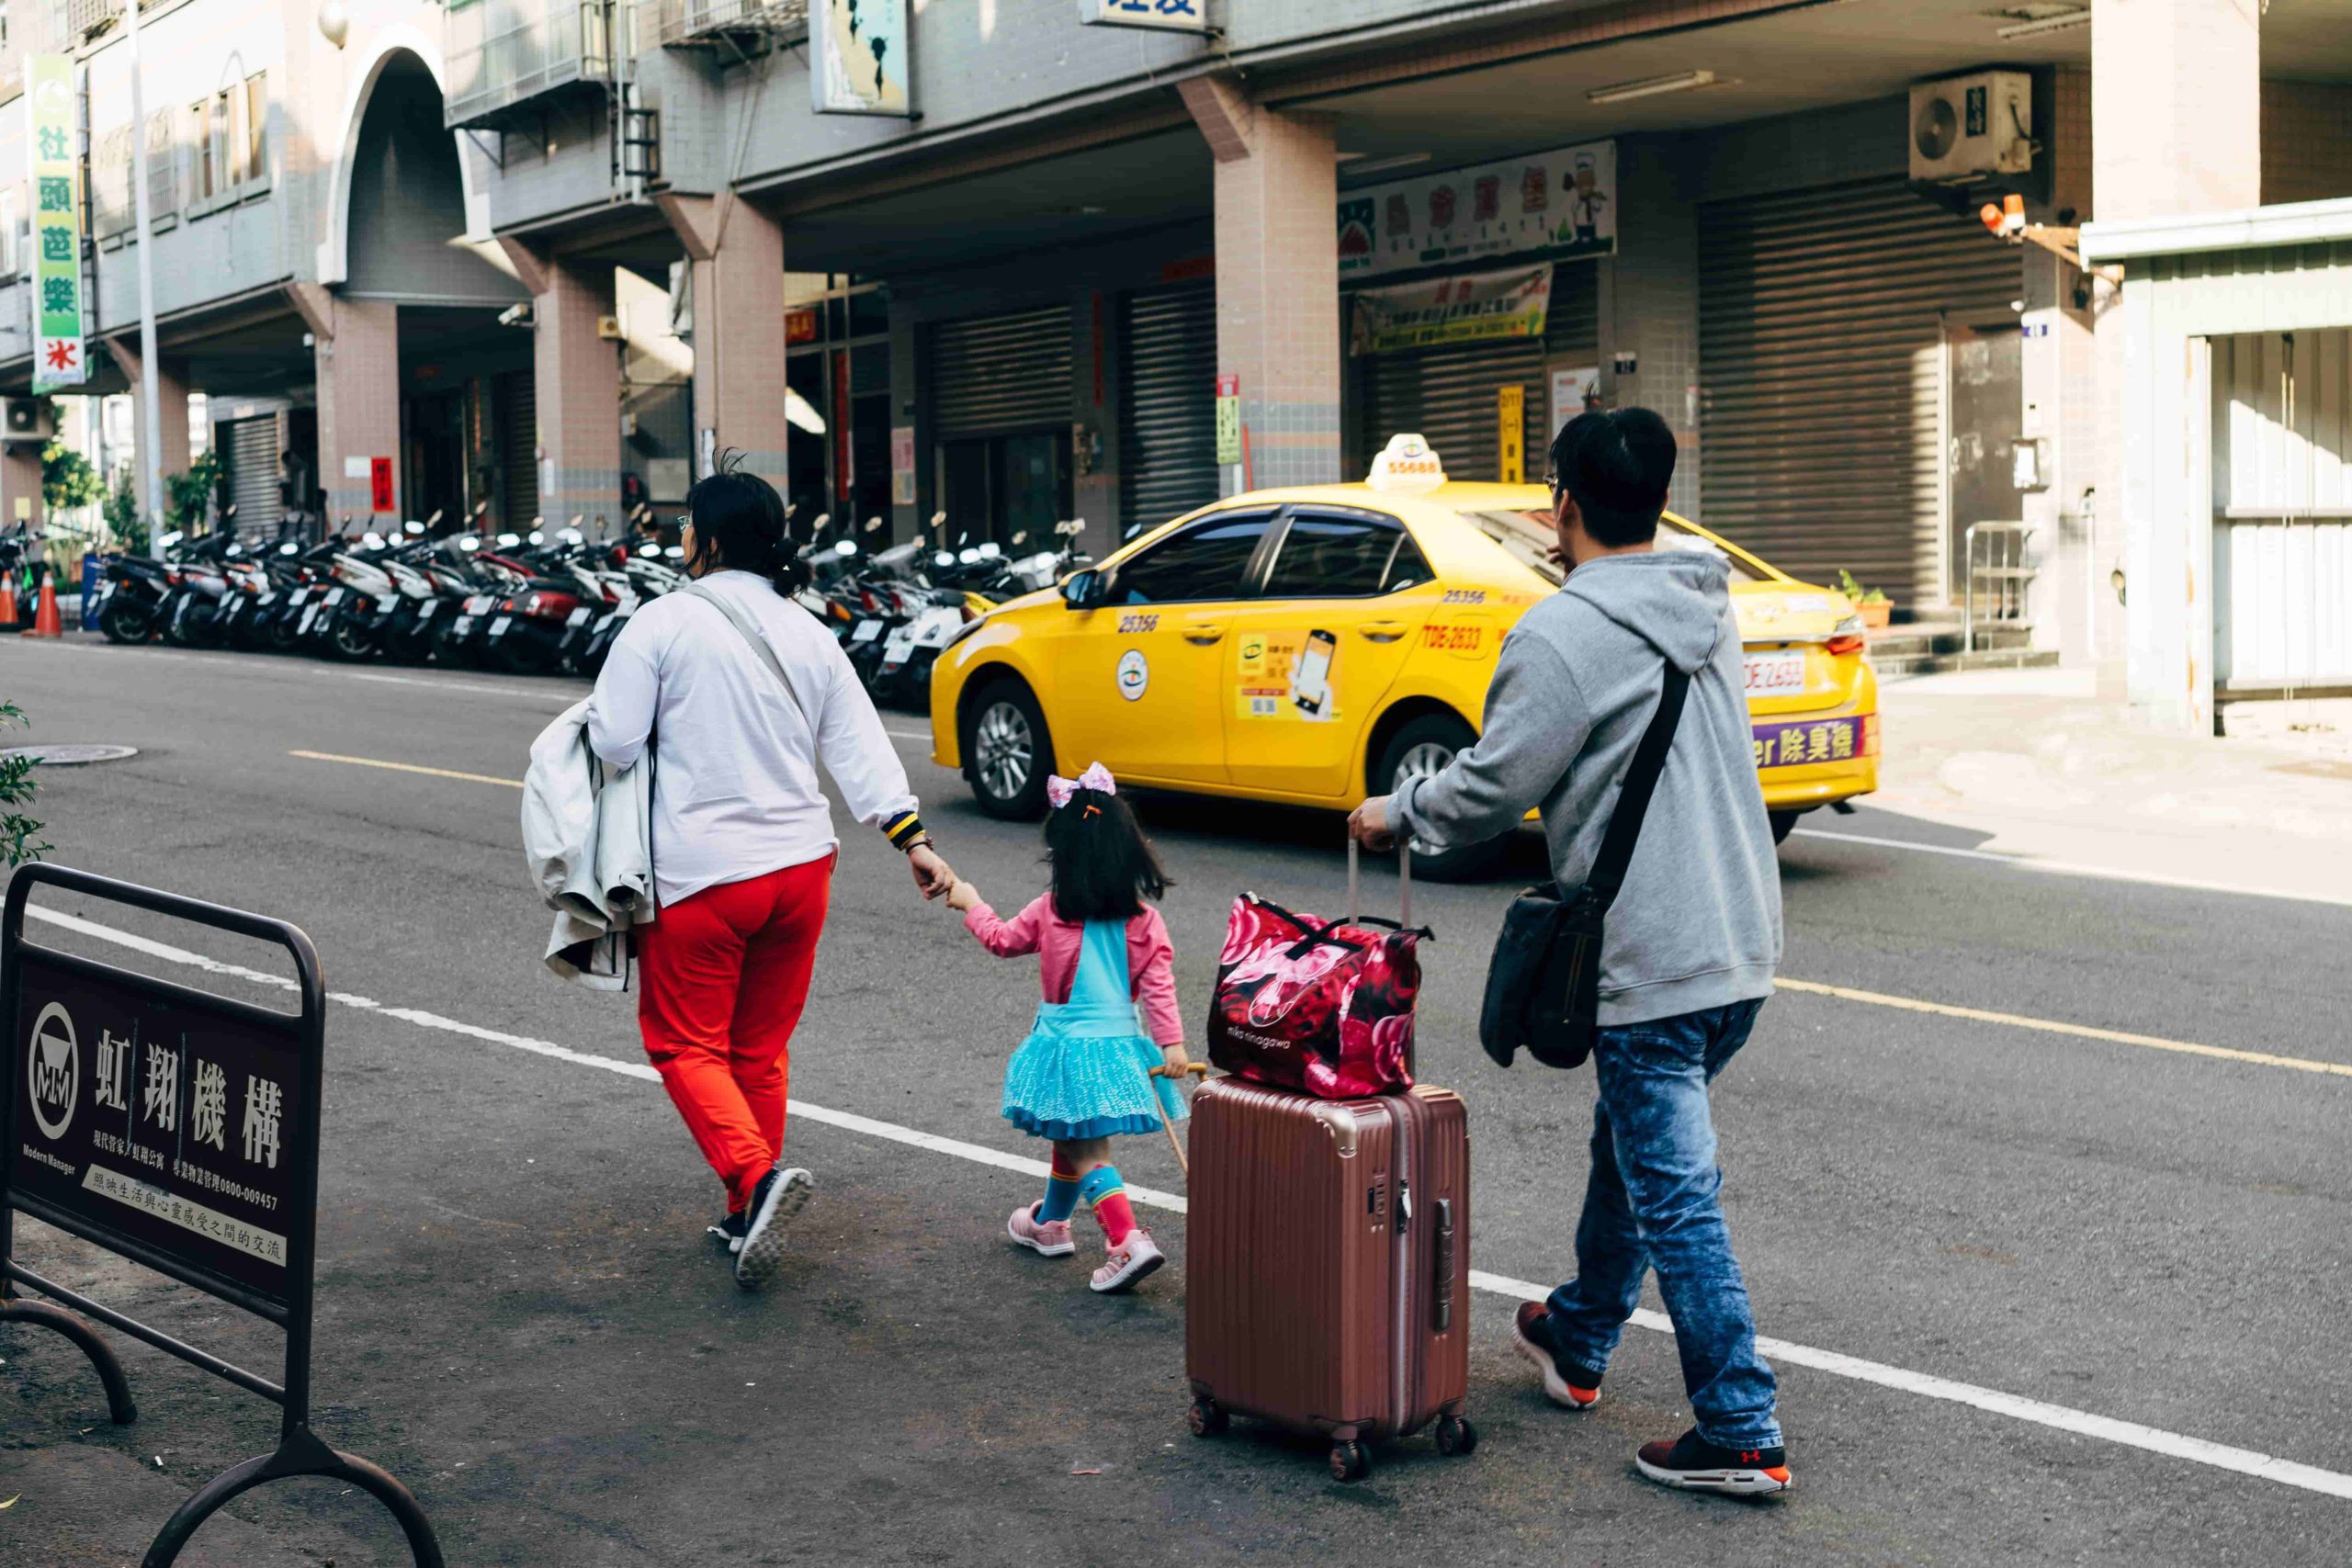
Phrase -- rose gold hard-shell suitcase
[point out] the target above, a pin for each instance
(1328, 1266)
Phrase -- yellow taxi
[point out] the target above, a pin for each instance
(1315, 645)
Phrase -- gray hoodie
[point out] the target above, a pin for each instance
(1698, 923)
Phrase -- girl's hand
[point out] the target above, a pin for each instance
(963, 897)
(1173, 1059)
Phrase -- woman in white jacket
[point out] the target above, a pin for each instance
(743, 844)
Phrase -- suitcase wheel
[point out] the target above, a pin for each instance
(1209, 1418)
(1456, 1439)
(1350, 1462)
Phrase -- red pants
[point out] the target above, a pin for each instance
(723, 976)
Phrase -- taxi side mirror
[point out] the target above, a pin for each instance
(1082, 591)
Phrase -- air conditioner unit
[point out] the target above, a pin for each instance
(1968, 128)
(27, 419)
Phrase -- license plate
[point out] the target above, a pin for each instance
(266, 600)
(498, 627)
(462, 624)
(901, 643)
(867, 631)
(335, 595)
(578, 618)
(1772, 673)
(478, 605)
(307, 616)
(106, 592)
(425, 611)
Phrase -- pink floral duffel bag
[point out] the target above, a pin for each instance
(1322, 1007)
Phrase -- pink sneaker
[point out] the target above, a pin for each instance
(1050, 1239)
(1129, 1262)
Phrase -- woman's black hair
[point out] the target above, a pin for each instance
(1104, 868)
(741, 525)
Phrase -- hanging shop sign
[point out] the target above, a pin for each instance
(1473, 308)
(1565, 202)
(1228, 419)
(1159, 15)
(902, 465)
(60, 353)
(858, 57)
(1510, 434)
(1574, 390)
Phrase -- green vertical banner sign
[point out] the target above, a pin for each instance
(58, 352)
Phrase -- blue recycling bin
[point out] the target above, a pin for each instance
(93, 572)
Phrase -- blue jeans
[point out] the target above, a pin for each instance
(1651, 1203)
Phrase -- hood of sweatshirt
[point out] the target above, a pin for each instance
(1673, 599)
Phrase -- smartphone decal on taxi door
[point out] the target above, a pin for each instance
(1310, 681)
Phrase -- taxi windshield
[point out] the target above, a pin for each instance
(1530, 537)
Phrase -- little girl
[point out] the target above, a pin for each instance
(1085, 1071)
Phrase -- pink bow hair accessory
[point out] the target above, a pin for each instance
(1059, 790)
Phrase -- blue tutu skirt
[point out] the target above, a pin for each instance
(1064, 1086)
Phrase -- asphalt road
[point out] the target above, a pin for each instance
(519, 1316)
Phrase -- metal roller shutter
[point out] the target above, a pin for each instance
(518, 444)
(1168, 419)
(1447, 395)
(252, 453)
(998, 374)
(1821, 367)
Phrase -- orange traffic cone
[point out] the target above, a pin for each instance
(9, 601)
(47, 621)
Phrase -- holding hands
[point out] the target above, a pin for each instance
(963, 897)
(933, 875)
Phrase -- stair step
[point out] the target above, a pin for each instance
(1983, 658)
(1913, 640)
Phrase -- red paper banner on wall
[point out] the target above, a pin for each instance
(379, 484)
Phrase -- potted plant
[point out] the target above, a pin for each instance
(1872, 603)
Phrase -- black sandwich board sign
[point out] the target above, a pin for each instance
(180, 1129)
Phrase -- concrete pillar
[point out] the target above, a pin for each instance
(1277, 281)
(170, 396)
(20, 483)
(359, 404)
(2175, 129)
(737, 257)
(578, 377)
(1649, 307)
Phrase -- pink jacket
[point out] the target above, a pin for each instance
(1151, 958)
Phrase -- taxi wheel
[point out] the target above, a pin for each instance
(1006, 753)
(1425, 746)
(1781, 822)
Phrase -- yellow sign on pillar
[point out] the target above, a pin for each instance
(1510, 434)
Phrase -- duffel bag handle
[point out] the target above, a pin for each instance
(1404, 882)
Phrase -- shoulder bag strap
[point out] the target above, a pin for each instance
(1633, 799)
(743, 625)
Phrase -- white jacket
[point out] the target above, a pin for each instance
(587, 833)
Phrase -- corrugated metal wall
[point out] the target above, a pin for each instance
(1448, 395)
(1821, 369)
(1168, 417)
(997, 373)
(251, 449)
(2282, 482)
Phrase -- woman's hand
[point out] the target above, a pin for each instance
(933, 875)
(963, 897)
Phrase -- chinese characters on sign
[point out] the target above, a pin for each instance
(58, 352)
(1819, 740)
(1510, 434)
(1161, 16)
(1228, 419)
(1565, 202)
(858, 57)
(1468, 307)
(159, 1119)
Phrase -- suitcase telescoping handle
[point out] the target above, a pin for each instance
(1404, 880)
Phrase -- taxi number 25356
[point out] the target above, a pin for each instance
(1454, 639)
(1138, 623)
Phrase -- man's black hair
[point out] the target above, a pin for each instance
(1615, 464)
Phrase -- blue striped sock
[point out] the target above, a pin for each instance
(1061, 1193)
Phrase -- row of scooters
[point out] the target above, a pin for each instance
(541, 602)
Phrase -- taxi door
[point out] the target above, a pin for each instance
(1345, 595)
(1138, 688)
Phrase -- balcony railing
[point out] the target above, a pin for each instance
(500, 54)
(85, 19)
(683, 24)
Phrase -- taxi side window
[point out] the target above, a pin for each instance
(1201, 563)
(1344, 557)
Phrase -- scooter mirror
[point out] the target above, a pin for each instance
(1021, 538)
(874, 524)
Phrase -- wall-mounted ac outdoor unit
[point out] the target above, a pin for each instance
(25, 419)
(1968, 128)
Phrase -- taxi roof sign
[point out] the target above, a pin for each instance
(1407, 466)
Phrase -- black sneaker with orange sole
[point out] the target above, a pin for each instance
(1566, 1384)
(1695, 1464)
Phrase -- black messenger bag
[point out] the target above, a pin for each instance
(1544, 984)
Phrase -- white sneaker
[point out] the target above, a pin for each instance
(1127, 1263)
(781, 1195)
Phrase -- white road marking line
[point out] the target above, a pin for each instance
(539, 694)
(2079, 868)
(907, 735)
(2128, 1434)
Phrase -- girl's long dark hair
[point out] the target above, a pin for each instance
(1104, 868)
(741, 525)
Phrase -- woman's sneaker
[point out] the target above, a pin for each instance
(780, 1195)
(1049, 1238)
(1566, 1384)
(1129, 1261)
(1695, 1464)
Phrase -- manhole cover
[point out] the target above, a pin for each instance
(70, 755)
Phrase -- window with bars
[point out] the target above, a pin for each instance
(163, 168)
(227, 143)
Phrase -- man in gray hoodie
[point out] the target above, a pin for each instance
(1691, 940)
